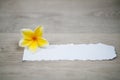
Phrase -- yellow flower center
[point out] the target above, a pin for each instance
(34, 38)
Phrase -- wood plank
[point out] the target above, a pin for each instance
(64, 21)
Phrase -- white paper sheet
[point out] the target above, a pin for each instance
(72, 52)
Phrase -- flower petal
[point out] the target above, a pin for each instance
(24, 42)
(27, 33)
(33, 46)
(42, 42)
(38, 31)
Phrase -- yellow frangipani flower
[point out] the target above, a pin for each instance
(33, 39)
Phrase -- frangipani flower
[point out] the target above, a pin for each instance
(33, 39)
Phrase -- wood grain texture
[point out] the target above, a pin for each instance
(64, 21)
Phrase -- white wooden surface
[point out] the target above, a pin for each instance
(64, 21)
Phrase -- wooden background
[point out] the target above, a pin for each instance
(64, 21)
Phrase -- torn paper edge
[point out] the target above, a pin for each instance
(99, 44)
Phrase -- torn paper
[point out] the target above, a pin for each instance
(72, 52)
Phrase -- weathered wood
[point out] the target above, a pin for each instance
(65, 21)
